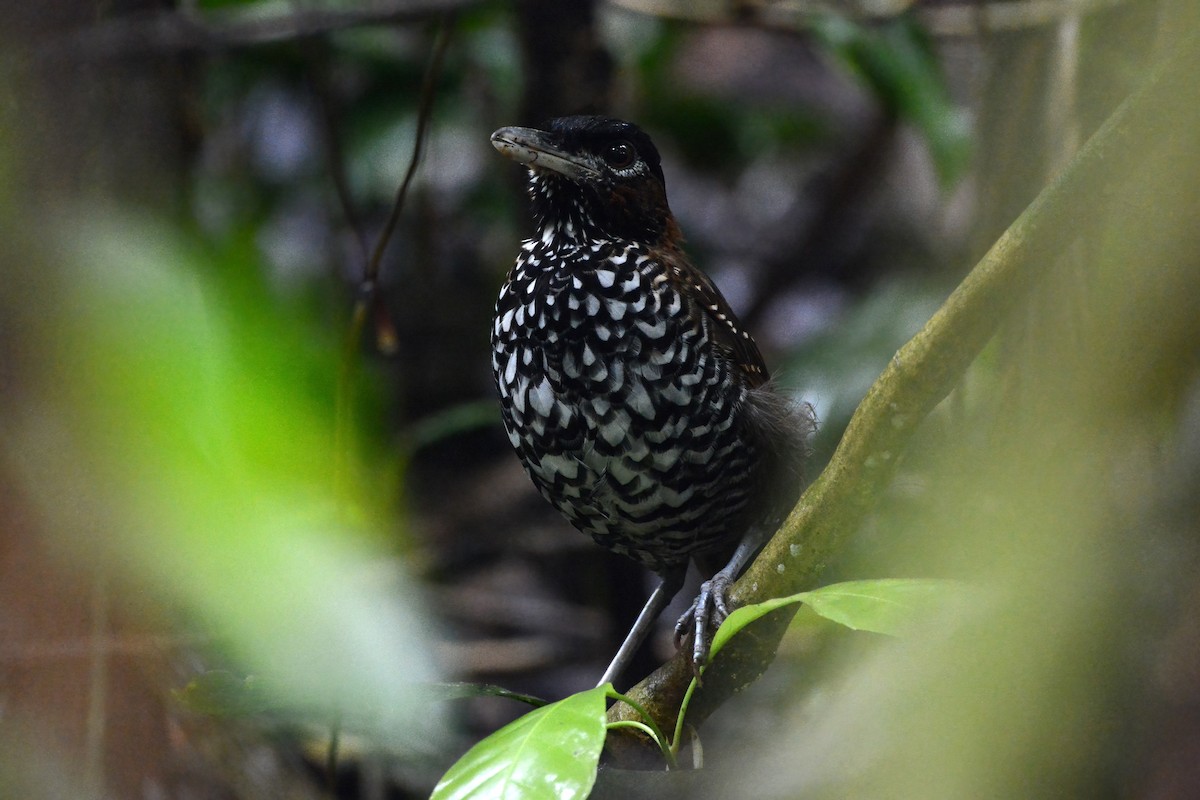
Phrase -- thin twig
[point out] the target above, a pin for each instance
(182, 31)
(331, 135)
(970, 18)
(81, 648)
(424, 111)
(97, 709)
(366, 299)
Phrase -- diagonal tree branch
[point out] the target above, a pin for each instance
(965, 18)
(923, 372)
(184, 31)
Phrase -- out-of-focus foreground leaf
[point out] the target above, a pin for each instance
(169, 433)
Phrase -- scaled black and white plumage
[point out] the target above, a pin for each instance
(636, 402)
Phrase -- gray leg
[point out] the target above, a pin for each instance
(659, 599)
(710, 607)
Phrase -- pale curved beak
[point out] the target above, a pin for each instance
(538, 150)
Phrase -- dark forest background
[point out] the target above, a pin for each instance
(253, 487)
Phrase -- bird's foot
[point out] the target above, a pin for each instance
(706, 614)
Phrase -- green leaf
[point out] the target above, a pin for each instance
(221, 693)
(886, 605)
(741, 617)
(459, 690)
(457, 419)
(549, 753)
(898, 63)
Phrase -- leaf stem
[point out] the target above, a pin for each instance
(650, 727)
(679, 719)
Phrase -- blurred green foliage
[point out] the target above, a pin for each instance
(834, 369)
(221, 693)
(714, 134)
(180, 432)
(174, 419)
(898, 62)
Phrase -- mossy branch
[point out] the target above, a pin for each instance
(1110, 168)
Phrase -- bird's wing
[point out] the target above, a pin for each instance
(713, 310)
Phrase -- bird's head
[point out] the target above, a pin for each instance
(592, 177)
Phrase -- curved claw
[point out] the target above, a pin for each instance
(707, 612)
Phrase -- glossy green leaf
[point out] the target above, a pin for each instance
(886, 605)
(883, 606)
(549, 753)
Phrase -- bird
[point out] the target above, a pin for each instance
(634, 398)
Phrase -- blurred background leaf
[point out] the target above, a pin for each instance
(898, 62)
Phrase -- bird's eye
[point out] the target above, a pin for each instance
(619, 155)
